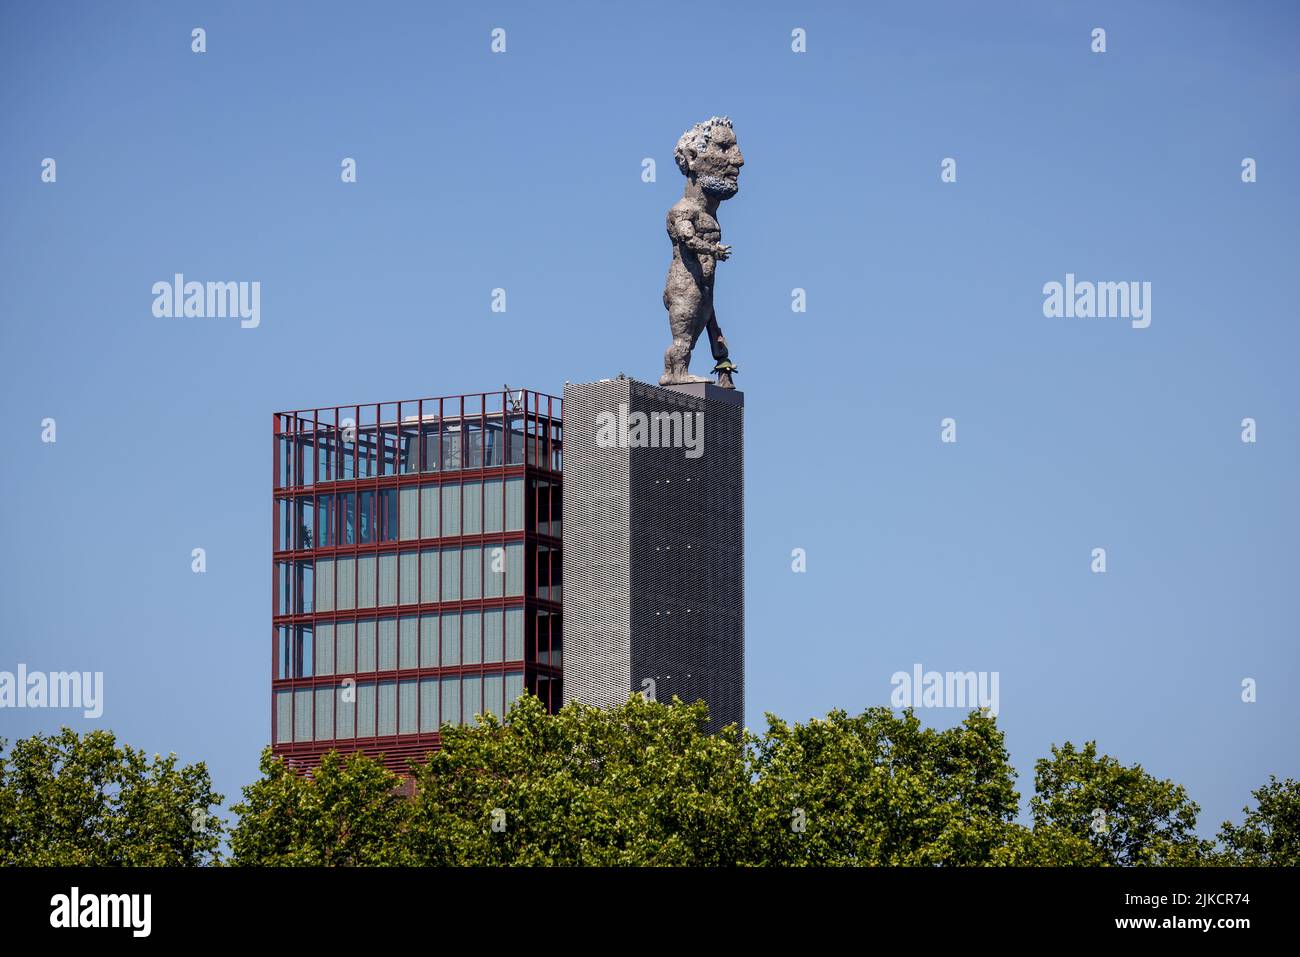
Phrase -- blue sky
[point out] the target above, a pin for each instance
(523, 171)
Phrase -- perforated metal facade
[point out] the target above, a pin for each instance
(654, 545)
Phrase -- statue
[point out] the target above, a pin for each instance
(710, 160)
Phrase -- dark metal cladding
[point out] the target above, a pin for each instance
(654, 551)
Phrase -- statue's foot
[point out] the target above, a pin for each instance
(681, 378)
(724, 369)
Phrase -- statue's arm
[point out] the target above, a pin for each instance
(683, 231)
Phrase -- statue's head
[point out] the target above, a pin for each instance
(708, 153)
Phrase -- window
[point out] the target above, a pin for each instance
(493, 619)
(451, 574)
(451, 449)
(428, 575)
(325, 536)
(284, 652)
(450, 700)
(410, 514)
(348, 453)
(516, 439)
(471, 572)
(305, 588)
(492, 685)
(284, 457)
(365, 516)
(324, 648)
(366, 453)
(345, 583)
(302, 713)
(514, 634)
(365, 646)
(514, 569)
(388, 707)
(472, 698)
(387, 519)
(366, 581)
(345, 648)
(514, 688)
(410, 448)
(514, 505)
(348, 533)
(387, 644)
(429, 508)
(407, 707)
(365, 710)
(304, 661)
(472, 508)
(387, 579)
(391, 450)
(494, 446)
(408, 642)
(494, 571)
(304, 516)
(345, 715)
(324, 584)
(283, 716)
(471, 637)
(284, 524)
(450, 629)
(295, 587)
(409, 578)
(450, 510)
(431, 446)
(324, 714)
(493, 506)
(428, 704)
(428, 641)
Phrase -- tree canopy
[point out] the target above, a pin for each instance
(642, 784)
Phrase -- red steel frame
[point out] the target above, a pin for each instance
(306, 431)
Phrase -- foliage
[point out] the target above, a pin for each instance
(66, 799)
(348, 812)
(1128, 816)
(881, 789)
(642, 784)
(1270, 834)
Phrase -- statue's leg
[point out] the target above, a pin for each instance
(684, 321)
(717, 344)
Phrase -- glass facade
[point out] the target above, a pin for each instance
(416, 570)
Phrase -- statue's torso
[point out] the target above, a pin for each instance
(685, 261)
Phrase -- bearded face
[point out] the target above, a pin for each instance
(716, 167)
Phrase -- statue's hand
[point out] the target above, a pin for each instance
(722, 253)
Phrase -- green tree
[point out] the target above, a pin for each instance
(349, 811)
(1270, 834)
(640, 784)
(1128, 816)
(879, 789)
(1046, 846)
(73, 800)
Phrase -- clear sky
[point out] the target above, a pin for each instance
(522, 171)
